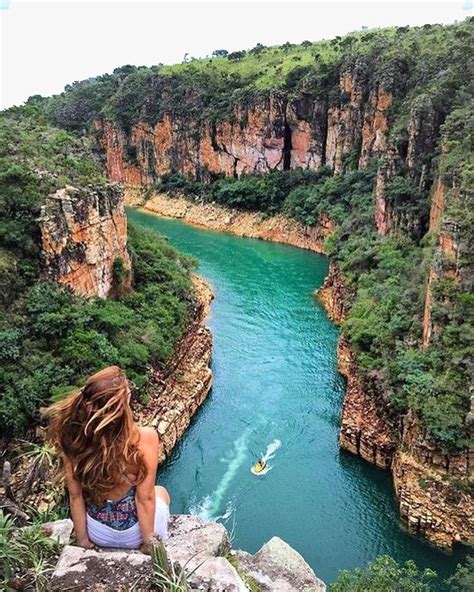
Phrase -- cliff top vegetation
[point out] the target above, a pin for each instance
(401, 59)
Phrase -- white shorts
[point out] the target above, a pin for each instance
(131, 538)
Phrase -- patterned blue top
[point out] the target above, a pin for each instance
(119, 515)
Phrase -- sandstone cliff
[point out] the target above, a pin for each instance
(270, 132)
(432, 487)
(83, 233)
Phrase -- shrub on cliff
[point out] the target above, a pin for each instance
(27, 556)
(463, 578)
(384, 574)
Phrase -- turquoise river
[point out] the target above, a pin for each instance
(276, 380)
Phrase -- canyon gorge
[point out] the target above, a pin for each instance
(356, 148)
(275, 132)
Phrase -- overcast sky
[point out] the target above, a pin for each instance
(45, 45)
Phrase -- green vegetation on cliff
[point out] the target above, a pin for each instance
(50, 339)
(405, 60)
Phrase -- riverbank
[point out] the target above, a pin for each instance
(180, 389)
(246, 224)
(433, 489)
(426, 481)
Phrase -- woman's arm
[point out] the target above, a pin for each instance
(145, 494)
(78, 506)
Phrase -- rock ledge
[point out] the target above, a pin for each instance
(201, 547)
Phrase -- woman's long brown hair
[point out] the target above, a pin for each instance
(94, 429)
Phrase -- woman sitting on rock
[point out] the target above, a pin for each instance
(110, 465)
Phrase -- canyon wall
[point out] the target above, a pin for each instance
(432, 487)
(177, 392)
(270, 132)
(83, 233)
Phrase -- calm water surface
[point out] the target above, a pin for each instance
(275, 378)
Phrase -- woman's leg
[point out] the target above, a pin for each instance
(161, 492)
(162, 512)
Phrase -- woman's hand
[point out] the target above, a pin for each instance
(85, 543)
(145, 548)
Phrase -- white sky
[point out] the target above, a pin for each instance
(46, 45)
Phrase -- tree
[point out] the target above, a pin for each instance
(463, 578)
(236, 56)
(384, 574)
(258, 49)
(220, 53)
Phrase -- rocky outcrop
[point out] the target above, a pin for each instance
(179, 390)
(335, 295)
(249, 224)
(364, 430)
(409, 153)
(83, 234)
(434, 494)
(277, 566)
(445, 262)
(199, 547)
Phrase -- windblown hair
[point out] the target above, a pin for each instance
(94, 429)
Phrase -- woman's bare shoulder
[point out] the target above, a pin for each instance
(148, 436)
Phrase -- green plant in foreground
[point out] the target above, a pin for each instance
(250, 582)
(25, 556)
(167, 575)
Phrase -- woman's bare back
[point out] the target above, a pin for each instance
(126, 481)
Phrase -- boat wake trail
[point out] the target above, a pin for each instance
(209, 507)
(271, 449)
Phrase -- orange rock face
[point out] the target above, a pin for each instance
(273, 133)
(382, 213)
(425, 482)
(364, 429)
(437, 205)
(375, 127)
(82, 235)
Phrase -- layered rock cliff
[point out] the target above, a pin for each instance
(83, 234)
(180, 389)
(432, 487)
(270, 132)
